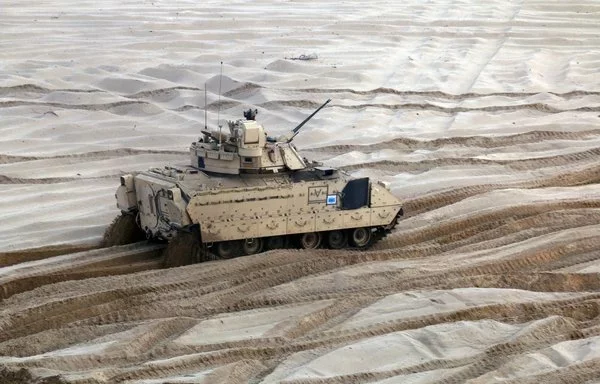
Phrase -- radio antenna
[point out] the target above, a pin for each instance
(219, 105)
(205, 107)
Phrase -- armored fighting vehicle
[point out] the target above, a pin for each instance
(245, 192)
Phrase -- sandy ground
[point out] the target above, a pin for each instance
(484, 117)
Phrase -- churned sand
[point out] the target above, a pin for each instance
(483, 116)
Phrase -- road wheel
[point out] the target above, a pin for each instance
(310, 240)
(361, 237)
(276, 242)
(337, 239)
(252, 246)
(228, 249)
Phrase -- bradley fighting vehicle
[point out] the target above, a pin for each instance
(246, 192)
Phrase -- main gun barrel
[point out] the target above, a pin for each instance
(297, 129)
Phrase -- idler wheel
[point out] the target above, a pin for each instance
(337, 239)
(310, 240)
(361, 237)
(252, 246)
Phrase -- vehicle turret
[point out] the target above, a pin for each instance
(247, 149)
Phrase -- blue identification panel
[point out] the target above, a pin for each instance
(331, 199)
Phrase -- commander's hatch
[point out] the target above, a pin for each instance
(291, 158)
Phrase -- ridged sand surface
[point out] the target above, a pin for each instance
(484, 117)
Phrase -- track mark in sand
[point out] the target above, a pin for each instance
(543, 243)
(93, 155)
(160, 91)
(243, 88)
(127, 303)
(586, 372)
(498, 223)
(339, 311)
(513, 313)
(574, 260)
(434, 200)
(522, 270)
(442, 95)
(217, 105)
(496, 356)
(524, 164)
(502, 230)
(555, 330)
(50, 267)
(198, 292)
(248, 86)
(32, 88)
(582, 308)
(320, 339)
(7, 159)
(140, 341)
(57, 339)
(90, 156)
(499, 44)
(51, 180)
(32, 254)
(117, 107)
(113, 107)
(465, 141)
(200, 298)
(28, 283)
(539, 107)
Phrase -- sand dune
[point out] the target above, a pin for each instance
(484, 118)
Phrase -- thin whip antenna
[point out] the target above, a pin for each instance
(205, 107)
(219, 104)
